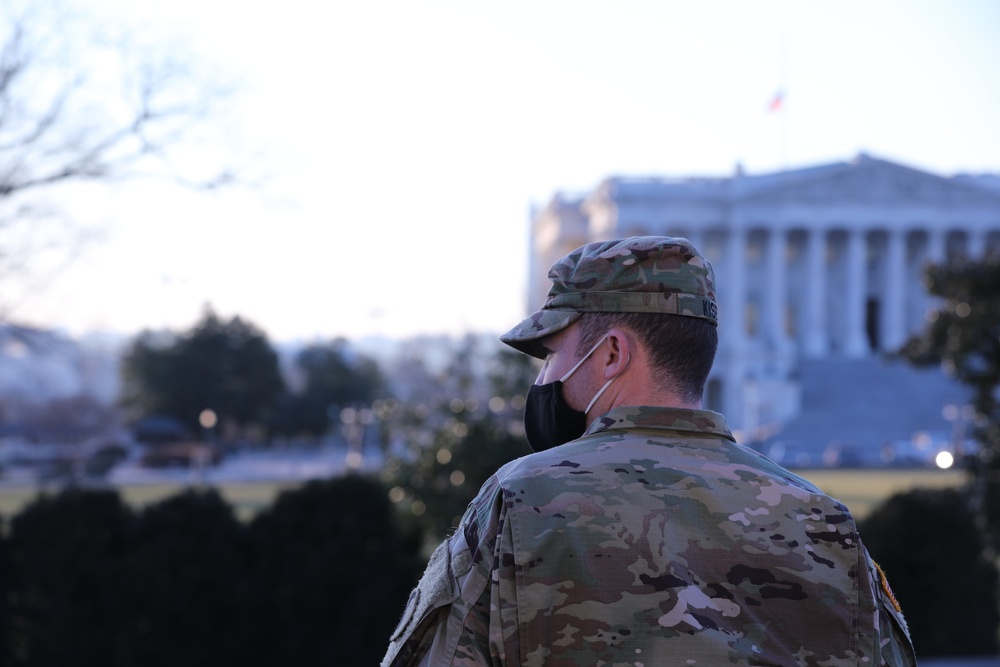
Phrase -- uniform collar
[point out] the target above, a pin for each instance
(704, 422)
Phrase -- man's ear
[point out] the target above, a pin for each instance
(617, 353)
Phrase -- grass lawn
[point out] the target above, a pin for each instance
(860, 490)
(246, 498)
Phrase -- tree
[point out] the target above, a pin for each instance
(89, 98)
(332, 378)
(963, 337)
(452, 450)
(228, 367)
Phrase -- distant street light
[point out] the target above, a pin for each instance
(201, 453)
(944, 460)
(208, 419)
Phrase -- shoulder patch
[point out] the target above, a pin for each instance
(884, 583)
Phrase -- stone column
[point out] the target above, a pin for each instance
(775, 295)
(815, 338)
(856, 265)
(894, 295)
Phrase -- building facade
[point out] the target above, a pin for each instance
(820, 263)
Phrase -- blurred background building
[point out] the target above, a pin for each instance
(819, 279)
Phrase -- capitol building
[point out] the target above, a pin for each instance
(819, 277)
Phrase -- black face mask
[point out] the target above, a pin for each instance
(549, 421)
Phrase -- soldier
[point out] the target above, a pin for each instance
(640, 532)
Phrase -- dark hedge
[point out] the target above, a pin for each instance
(321, 577)
(928, 543)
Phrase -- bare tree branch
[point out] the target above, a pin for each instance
(83, 101)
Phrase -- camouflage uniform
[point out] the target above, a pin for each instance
(654, 539)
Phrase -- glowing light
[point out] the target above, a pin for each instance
(208, 419)
(944, 460)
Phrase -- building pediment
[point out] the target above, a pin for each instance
(870, 182)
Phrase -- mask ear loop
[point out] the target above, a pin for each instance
(583, 359)
(607, 384)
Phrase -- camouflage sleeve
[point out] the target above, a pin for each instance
(504, 620)
(473, 648)
(894, 634)
(891, 632)
(446, 621)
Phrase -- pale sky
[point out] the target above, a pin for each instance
(409, 140)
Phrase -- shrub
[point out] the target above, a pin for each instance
(332, 572)
(321, 577)
(928, 544)
(184, 587)
(65, 553)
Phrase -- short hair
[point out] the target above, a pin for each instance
(682, 349)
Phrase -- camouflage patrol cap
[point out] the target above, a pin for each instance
(641, 274)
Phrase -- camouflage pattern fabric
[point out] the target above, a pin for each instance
(653, 540)
(641, 274)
